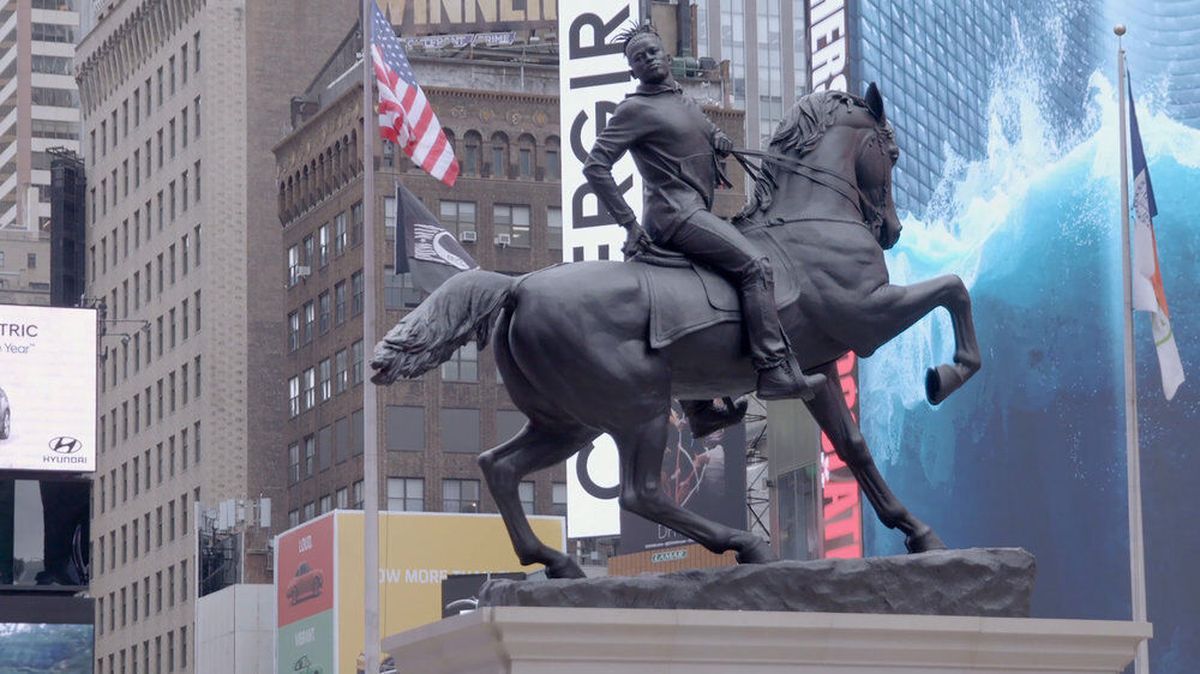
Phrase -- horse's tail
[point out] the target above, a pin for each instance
(463, 307)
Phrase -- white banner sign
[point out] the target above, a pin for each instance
(47, 389)
(593, 78)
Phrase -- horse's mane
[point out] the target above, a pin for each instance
(797, 134)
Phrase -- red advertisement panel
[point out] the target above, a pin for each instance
(841, 511)
(304, 577)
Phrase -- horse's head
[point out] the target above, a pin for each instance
(844, 149)
(873, 165)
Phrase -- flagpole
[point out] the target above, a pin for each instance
(1137, 563)
(370, 407)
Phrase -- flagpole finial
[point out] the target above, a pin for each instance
(1119, 29)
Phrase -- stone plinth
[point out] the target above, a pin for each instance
(538, 640)
(994, 582)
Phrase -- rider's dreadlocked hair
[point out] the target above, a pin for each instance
(633, 32)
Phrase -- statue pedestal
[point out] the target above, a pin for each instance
(540, 640)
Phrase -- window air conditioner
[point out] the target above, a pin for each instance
(468, 236)
(303, 271)
(504, 240)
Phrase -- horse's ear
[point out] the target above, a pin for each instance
(875, 102)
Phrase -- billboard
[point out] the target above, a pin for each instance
(436, 17)
(319, 577)
(47, 389)
(593, 78)
(1031, 452)
(705, 475)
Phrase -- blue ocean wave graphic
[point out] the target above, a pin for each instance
(1031, 452)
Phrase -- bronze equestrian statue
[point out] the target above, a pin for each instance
(602, 347)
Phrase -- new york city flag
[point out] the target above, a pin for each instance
(1148, 293)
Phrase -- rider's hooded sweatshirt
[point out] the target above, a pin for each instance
(672, 142)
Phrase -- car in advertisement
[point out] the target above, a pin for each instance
(306, 584)
(5, 416)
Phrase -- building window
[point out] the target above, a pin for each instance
(463, 365)
(389, 217)
(325, 377)
(324, 312)
(356, 224)
(339, 303)
(499, 155)
(554, 232)
(525, 491)
(558, 499)
(341, 372)
(293, 331)
(526, 153)
(472, 143)
(405, 494)
(323, 245)
(310, 321)
(310, 455)
(511, 225)
(356, 293)
(310, 389)
(356, 363)
(293, 518)
(405, 429)
(294, 463)
(457, 217)
(553, 159)
(342, 499)
(460, 496)
(460, 429)
(400, 291)
(340, 241)
(357, 495)
(294, 396)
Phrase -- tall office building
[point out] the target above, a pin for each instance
(39, 109)
(936, 63)
(767, 49)
(182, 101)
(504, 207)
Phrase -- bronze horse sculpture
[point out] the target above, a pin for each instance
(573, 347)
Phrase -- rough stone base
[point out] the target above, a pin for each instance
(991, 582)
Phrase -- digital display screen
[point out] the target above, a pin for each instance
(33, 648)
(48, 389)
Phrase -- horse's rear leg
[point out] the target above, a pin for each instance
(896, 308)
(640, 447)
(830, 411)
(532, 449)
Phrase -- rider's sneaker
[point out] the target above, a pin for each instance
(785, 381)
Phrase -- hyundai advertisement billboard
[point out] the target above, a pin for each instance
(47, 389)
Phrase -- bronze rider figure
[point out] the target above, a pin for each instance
(675, 147)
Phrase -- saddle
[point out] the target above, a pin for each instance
(686, 297)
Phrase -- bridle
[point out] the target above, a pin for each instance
(869, 213)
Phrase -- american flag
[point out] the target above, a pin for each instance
(405, 116)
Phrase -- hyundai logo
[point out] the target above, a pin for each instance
(65, 445)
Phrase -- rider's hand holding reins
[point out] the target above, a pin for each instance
(636, 239)
(723, 145)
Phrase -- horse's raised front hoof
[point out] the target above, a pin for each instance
(924, 541)
(564, 567)
(941, 381)
(755, 551)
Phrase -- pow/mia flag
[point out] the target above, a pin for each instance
(423, 248)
